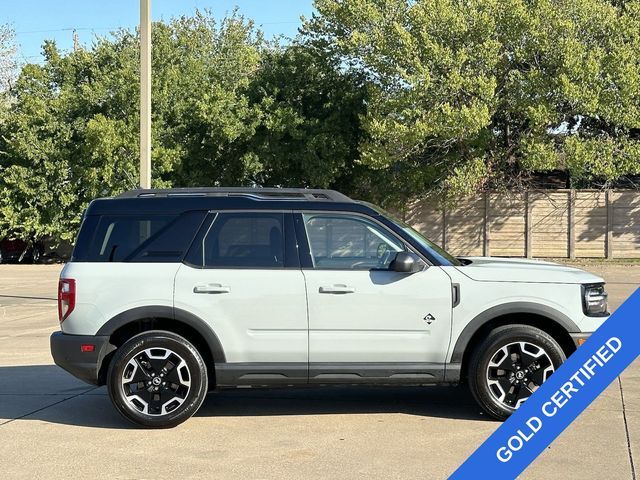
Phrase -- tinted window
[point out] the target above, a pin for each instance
(139, 238)
(245, 240)
(82, 248)
(346, 242)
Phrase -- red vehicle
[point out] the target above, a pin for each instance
(20, 251)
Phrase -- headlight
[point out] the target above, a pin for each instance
(594, 300)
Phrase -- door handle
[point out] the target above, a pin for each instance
(211, 288)
(337, 289)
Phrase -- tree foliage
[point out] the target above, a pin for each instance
(466, 94)
(8, 63)
(229, 108)
(382, 99)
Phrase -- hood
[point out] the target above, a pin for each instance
(489, 269)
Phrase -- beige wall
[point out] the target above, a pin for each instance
(540, 223)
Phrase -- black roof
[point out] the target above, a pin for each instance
(178, 200)
(263, 193)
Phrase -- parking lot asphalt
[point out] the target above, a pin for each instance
(54, 426)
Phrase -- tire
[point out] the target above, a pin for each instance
(136, 392)
(509, 365)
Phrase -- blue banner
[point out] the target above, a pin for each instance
(571, 388)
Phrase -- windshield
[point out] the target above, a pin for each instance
(441, 255)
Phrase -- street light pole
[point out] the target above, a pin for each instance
(145, 93)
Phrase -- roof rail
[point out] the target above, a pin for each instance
(258, 193)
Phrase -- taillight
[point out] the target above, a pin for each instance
(66, 297)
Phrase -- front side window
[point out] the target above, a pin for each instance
(435, 252)
(349, 242)
(245, 239)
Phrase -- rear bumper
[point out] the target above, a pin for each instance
(86, 366)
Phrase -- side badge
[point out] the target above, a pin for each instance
(429, 319)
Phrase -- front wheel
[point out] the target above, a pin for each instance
(157, 379)
(509, 365)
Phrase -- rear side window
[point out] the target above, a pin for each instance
(138, 238)
(242, 240)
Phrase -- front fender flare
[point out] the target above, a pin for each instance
(512, 308)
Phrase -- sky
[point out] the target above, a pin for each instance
(37, 20)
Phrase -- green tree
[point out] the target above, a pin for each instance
(203, 114)
(68, 139)
(469, 93)
(8, 63)
(8, 66)
(72, 130)
(228, 107)
(309, 127)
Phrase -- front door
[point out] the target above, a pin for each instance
(366, 320)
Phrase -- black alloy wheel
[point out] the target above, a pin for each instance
(510, 364)
(157, 379)
(516, 370)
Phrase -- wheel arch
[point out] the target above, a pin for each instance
(137, 320)
(545, 318)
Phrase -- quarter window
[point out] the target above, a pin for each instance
(140, 238)
(349, 242)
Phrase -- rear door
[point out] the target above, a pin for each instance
(242, 276)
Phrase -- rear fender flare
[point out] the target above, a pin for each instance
(183, 316)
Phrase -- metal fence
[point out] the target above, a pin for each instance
(537, 223)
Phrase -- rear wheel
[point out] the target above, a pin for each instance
(509, 365)
(157, 379)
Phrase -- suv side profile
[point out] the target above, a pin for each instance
(172, 293)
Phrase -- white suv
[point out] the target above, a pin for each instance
(171, 293)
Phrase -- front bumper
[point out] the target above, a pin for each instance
(86, 366)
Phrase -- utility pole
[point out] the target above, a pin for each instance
(76, 41)
(145, 93)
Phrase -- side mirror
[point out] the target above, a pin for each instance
(405, 262)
